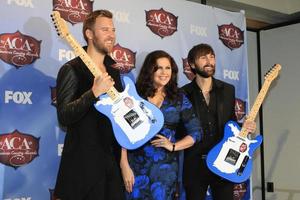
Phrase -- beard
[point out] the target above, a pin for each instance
(100, 45)
(100, 48)
(204, 73)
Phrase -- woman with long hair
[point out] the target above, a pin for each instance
(151, 171)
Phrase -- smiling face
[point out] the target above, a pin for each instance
(162, 75)
(205, 65)
(103, 36)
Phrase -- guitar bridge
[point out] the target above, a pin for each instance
(133, 119)
(232, 156)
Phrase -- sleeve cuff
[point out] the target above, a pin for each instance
(90, 97)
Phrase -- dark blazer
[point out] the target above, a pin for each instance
(89, 141)
(225, 98)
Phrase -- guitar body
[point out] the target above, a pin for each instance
(134, 120)
(232, 157)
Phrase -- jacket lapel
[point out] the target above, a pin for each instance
(220, 103)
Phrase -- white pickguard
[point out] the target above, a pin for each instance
(234, 143)
(119, 110)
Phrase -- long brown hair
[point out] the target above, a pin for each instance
(145, 84)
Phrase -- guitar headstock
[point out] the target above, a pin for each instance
(60, 24)
(273, 72)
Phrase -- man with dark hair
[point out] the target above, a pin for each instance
(214, 102)
(89, 168)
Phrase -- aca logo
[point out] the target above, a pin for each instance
(73, 11)
(18, 149)
(18, 49)
(53, 96)
(187, 70)
(161, 22)
(231, 36)
(124, 57)
(239, 191)
(240, 109)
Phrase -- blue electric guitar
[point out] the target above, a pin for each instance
(134, 120)
(232, 157)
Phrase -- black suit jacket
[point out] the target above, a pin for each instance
(225, 98)
(89, 141)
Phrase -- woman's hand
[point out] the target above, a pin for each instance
(128, 177)
(162, 141)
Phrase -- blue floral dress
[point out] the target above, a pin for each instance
(156, 169)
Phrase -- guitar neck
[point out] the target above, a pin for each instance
(79, 51)
(255, 108)
(261, 96)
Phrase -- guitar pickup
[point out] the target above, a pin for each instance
(241, 138)
(232, 156)
(243, 165)
(133, 119)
